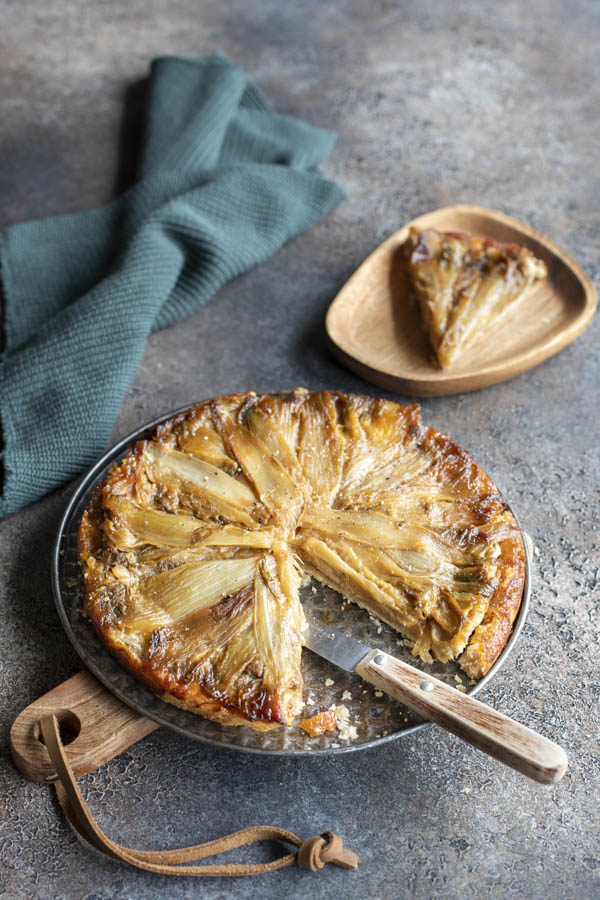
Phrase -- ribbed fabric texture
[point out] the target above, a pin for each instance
(223, 182)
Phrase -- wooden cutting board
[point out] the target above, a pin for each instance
(95, 727)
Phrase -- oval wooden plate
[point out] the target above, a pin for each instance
(375, 327)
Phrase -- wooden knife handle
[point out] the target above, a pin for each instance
(474, 722)
(100, 725)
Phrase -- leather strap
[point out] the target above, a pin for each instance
(313, 853)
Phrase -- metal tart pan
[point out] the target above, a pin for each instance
(378, 719)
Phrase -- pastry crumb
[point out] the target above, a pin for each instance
(346, 695)
(319, 723)
(346, 730)
(328, 682)
(379, 693)
(461, 687)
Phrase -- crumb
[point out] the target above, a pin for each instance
(385, 732)
(335, 745)
(379, 630)
(310, 700)
(461, 687)
(379, 693)
(342, 712)
(71, 583)
(347, 731)
(313, 589)
(346, 695)
(328, 682)
(472, 681)
(465, 790)
(458, 678)
(536, 550)
(319, 723)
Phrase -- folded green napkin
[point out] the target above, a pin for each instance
(223, 182)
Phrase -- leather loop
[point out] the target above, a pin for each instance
(313, 854)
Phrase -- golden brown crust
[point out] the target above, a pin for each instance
(489, 638)
(190, 546)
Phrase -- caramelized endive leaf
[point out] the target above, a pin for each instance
(230, 496)
(321, 445)
(355, 582)
(357, 525)
(375, 528)
(274, 486)
(248, 648)
(383, 451)
(190, 588)
(205, 638)
(206, 444)
(233, 536)
(276, 427)
(276, 636)
(134, 526)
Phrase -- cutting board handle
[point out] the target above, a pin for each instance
(95, 726)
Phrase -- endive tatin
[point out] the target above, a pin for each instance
(194, 547)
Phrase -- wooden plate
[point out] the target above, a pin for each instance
(375, 325)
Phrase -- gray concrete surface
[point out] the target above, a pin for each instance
(492, 103)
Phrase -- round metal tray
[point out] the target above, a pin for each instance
(377, 717)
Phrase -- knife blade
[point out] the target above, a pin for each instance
(472, 721)
(335, 646)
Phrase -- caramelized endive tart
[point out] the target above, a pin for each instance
(194, 547)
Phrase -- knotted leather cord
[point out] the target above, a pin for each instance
(313, 853)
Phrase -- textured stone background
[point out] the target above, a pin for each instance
(485, 102)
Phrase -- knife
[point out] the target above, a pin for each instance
(472, 721)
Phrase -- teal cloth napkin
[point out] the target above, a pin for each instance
(224, 181)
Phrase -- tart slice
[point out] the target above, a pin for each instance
(465, 284)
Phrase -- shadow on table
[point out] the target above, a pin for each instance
(131, 133)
